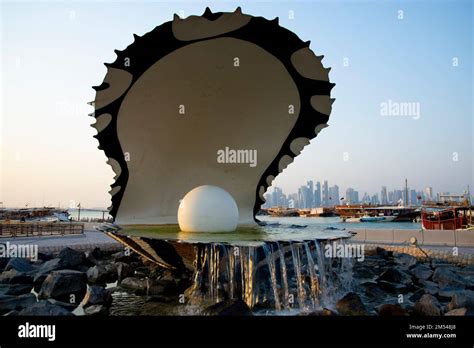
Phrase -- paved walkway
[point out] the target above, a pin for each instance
(87, 241)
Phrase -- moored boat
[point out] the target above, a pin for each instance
(452, 218)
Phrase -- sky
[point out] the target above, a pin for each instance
(380, 52)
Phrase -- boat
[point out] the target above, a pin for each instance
(380, 218)
(351, 219)
(452, 218)
(389, 213)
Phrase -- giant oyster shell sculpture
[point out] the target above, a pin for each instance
(224, 99)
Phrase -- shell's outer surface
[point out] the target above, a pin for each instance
(180, 101)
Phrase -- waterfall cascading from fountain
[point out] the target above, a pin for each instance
(272, 277)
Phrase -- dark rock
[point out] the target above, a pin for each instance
(49, 266)
(417, 295)
(90, 260)
(19, 264)
(15, 277)
(66, 305)
(97, 295)
(372, 290)
(142, 272)
(393, 288)
(96, 310)
(44, 308)
(445, 277)
(427, 305)
(45, 256)
(124, 270)
(9, 303)
(3, 262)
(390, 310)
(121, 256)
(381, 252)
(448, 292)
(391, 275)
(60, 285)
(406, 260)
(169, 286)
(351, 304)
(469, 268)
(395, 276)
(362, 272)
(97, 253)
(429, 286)
(97, 275)
(134, 284)
(422, 271)
(15, 289)
(70, 258)
(228, 308)
(462, 299)
(43, 271)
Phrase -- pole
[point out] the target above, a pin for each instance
(79, 212)
(406, 192)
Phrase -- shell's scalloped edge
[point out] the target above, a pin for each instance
(269, 31)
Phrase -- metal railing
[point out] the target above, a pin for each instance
(27, 229)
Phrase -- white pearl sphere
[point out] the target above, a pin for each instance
(208, 208)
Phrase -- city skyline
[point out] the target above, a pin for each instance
(315, 195)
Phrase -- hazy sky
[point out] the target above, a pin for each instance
(52, 53)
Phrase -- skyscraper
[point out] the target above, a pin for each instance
(334, 195)
(352, 196)
(310, 198)
(317, 195)
(429, 193)
(383, 195)
(375, 199)
(413, 197)
(325, 194)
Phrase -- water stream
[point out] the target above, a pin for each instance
(274, 276)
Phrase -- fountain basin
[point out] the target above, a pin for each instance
(272, 267)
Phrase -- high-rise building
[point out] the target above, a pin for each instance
(304, 197)
(413, 197)
(398, 197)
(352, 196)
(317, 195)
(391, 197)
(383, 195)
(293, 201)
(278, 198)
(325, 194)
(310, 194)
(365, 198)
(268, 201)
(333, 195)
(429, 193)
(375, 199)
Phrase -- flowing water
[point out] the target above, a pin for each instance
(271, 278)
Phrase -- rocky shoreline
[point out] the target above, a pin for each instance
(72, 282)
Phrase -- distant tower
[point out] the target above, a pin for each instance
(429, 193)
(334, 195)
(383, 195)
(310, 197)
(325, 194)
(317, 195)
